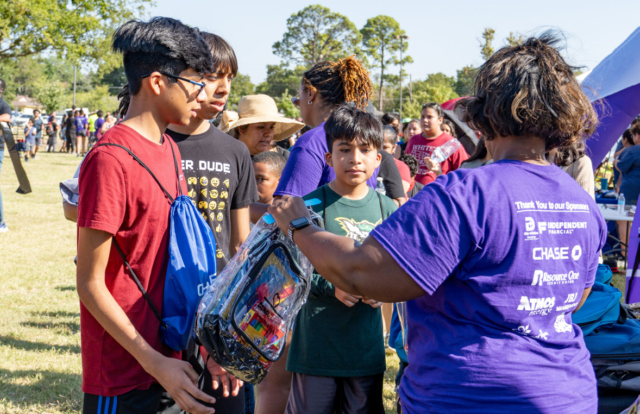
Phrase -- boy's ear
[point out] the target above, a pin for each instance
(328, 159)
(154, 83)
(378, 158)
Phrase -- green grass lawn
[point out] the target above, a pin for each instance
(40, 369)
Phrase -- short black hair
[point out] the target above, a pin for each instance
(36, 110)
(412, 163)
(99, 113)
(389, 134)
(626, 136)
(273, 160)
(161, 44)
(224, 57)
(348, 123)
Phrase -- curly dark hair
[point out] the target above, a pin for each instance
(568, 155)
(412, 163)
(344, 81)
(529, 90)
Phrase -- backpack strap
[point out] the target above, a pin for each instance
(133, 275)
(135, 157)
(137, 282)
(381, 206)
(636, 263)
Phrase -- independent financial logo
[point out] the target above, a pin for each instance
(534, 229)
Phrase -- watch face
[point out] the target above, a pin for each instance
(302, 221)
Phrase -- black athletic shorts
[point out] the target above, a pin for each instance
(132, 402)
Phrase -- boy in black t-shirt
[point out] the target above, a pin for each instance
(221, 183)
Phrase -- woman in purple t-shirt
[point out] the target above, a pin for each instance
(491, 261)
(323, 88)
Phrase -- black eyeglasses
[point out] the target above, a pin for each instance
(200, 84)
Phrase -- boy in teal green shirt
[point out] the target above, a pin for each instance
(337, 351)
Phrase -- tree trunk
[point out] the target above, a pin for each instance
(380, 101)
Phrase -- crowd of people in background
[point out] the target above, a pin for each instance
(238, 165)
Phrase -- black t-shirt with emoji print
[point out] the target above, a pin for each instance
(220, 178)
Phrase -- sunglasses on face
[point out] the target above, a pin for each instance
(168, 75)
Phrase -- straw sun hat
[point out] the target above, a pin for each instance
(253, 109)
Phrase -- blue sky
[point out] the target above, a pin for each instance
(444, 36)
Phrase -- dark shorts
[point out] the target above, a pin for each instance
(132, 402)
(312, 394)
(82, 133)
(38, 141)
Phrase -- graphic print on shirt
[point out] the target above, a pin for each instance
(357, 230)
(210, 205)
(552, 231)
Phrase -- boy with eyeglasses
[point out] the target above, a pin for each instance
(125, 365)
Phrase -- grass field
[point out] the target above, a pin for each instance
(40, 369)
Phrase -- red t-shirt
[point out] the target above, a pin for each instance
(405, 172)
(119, 196)
(420, 147)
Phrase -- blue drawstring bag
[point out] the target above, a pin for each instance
(191, 268)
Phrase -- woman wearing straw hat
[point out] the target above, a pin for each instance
(258, 123)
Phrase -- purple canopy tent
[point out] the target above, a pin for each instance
(615, 83)
(614, 88)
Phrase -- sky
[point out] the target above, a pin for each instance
(444, 35)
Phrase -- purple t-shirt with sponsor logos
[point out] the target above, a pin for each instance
(306, 168)
(504, 253)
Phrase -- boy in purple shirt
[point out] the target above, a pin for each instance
(492, 261)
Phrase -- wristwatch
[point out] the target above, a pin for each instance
(298, 224)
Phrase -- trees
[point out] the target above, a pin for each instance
(381, 39)
(51, 95)
(437, 87)
(78, 30)
(314, 34)
(486, 49)
(240, 86)
(279, 79)
(514, 39)
(465, 79)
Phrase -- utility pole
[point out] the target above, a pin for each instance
(401, 38)
(410, 88)
(74, 84)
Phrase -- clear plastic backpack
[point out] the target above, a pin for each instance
(247, 313)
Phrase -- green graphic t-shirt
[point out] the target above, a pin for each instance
(329, 338)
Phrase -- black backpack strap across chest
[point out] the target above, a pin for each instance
(132, 274)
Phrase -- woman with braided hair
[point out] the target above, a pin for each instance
(323, 88)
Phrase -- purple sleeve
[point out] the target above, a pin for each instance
(428, 237)
(302, 174)
(98, 124)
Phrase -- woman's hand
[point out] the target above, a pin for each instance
(433, 166)
(288, 209)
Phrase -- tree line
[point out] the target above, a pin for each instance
(42, 43)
